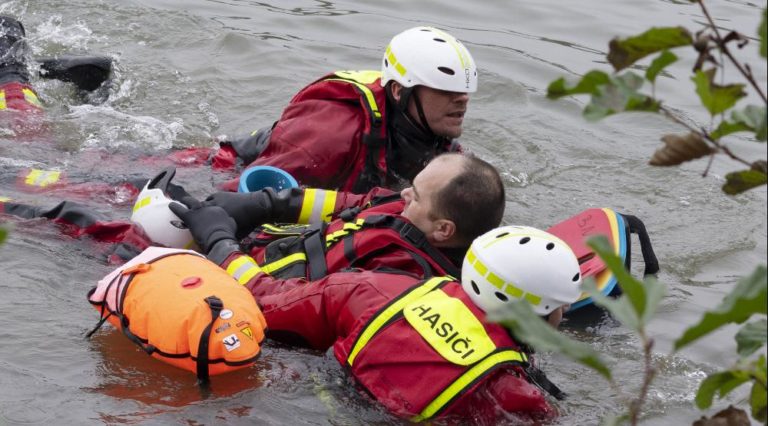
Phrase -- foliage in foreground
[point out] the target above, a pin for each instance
(747, 302)
(620, 91)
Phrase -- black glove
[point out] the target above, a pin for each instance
(253, 209)
(208, 224)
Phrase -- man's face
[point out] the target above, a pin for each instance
(443, 110)
(419, 198)
(555, 317)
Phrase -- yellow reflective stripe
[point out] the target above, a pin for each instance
(283, 262)
(317, 206)
(348, 226)
(468, 379)
(4, 199)
(364, 77)
(271, 227)
(390, 311)
(507, 287)
(3, 105)
(243, 269)
(42, 178)
(369, 97)
(141, 203)
(393, 61)
(31, 97)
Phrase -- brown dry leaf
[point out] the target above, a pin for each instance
(679, 149)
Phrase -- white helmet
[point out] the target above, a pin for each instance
(429, 57)
(152, 213)
(520, 262)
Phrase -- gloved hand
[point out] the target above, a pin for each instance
(253, 209)
(208, 224)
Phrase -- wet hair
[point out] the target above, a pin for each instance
(473, 199)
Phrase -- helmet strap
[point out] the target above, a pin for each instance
(420, 111)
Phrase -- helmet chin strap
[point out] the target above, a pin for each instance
(422, 124)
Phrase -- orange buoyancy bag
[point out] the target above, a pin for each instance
(183, 309)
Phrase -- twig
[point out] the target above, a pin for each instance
(723, 48)
(650, 373)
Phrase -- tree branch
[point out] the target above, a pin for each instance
(724, 49)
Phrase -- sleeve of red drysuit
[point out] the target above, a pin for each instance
(314, 205)
(320, 312)
(504, 392)
(316, 141)
(79, 221)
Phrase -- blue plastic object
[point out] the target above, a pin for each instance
(259, 177)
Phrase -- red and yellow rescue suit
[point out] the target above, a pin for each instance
(332, 134)
(420, 347)
(368, 234)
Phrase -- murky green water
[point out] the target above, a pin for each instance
(187, 71)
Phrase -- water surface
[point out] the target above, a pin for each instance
(189, 71)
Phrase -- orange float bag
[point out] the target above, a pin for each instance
(182, 309)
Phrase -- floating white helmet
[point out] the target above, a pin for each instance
(429, 57)
(152, 213)
(520, 262)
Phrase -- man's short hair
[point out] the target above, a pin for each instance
(473, 199)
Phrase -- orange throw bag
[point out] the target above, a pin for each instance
(183, 309)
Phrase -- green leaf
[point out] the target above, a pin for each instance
(654, 293)
(662, 61)
(757, 398)
(761, 32)
(752, 337)
(714, 97)
(727, 127)
(755, 118)
(586, 85)
(738, 182)
(747, 298)
(527, 326)
(615, 420)
(630, 286)
(722, 382)
(620, 308)
(619, 94)
(623, 53)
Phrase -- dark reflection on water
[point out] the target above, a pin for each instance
(322, 8)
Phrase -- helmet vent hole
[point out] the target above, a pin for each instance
(446, 70)
(525, 240)
(439, 39)
(501, 296)
(386, 62)
(474, 287)
(550, 246)
(546, 308)
(576, 277)
(503, 234)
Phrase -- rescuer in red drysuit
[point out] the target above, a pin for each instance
(425, 230)
(356, 130)
(420, 346)
(39, 167)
